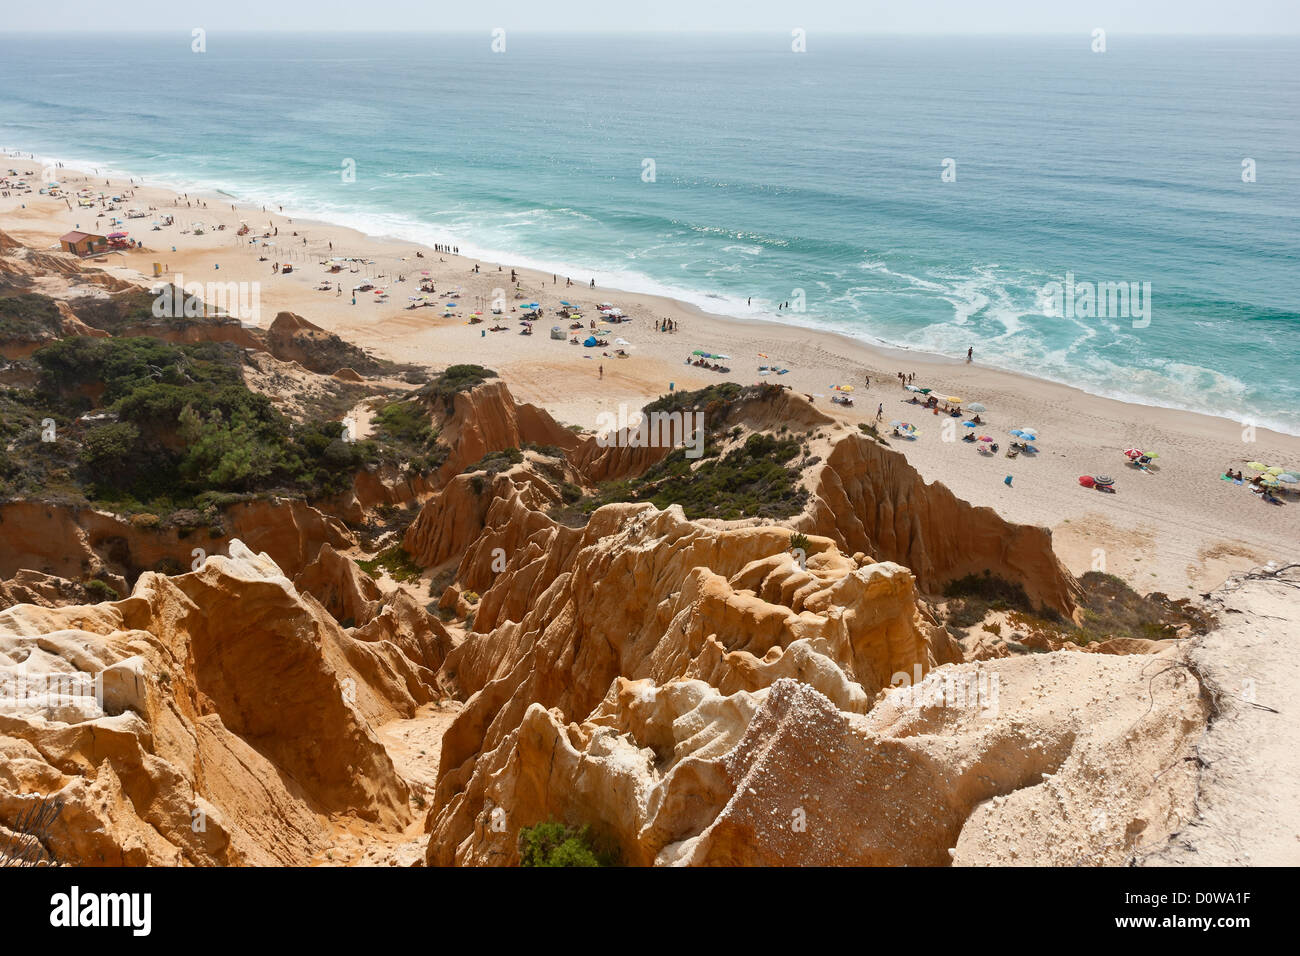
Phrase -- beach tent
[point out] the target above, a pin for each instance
(590, 341)
(557, 332)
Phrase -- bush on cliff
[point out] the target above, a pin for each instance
(754, 480)
(185, 424)
(554, 844)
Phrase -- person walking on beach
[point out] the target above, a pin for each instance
(602, 372)
(880, 412)
(970, 354)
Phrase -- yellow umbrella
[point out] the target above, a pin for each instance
(1256, 466)
(1275, 470)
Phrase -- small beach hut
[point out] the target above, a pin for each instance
(82, 243)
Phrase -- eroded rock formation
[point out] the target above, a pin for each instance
(228, 697)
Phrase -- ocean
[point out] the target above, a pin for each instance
(922, 193)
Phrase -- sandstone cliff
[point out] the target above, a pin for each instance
(237, 716)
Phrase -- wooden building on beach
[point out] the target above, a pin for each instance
(83, 243)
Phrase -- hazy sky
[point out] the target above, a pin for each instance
(859, 16)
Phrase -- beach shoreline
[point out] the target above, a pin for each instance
(1180, 529)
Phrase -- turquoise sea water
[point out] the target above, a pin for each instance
(774, 171)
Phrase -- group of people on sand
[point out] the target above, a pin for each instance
(941, 408)
(1256, 484)
(704, 363)
(666, 325)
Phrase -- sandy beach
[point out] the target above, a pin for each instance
(1178, 528)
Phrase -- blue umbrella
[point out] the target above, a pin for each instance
(569, 304)
(969, 424)
(451, 305)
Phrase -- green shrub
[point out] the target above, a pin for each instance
(554, 844)
(100, 591)
(396, 561)
(751, 481)
(111, 450)
(496, 461)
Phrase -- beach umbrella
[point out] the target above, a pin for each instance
(1288, 477)
(985, 438)
(568, 305)
(1133, 452)
(1275, 470)
(1256, 466)
(976, 407)
(914, 388)
(838, 388)
(969, 424)
(1269, 480)
(1104, 481)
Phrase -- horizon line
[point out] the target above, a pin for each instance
(626, 31)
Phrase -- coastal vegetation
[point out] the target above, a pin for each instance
(1108, 608)
(759, 478)
(554, 844)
